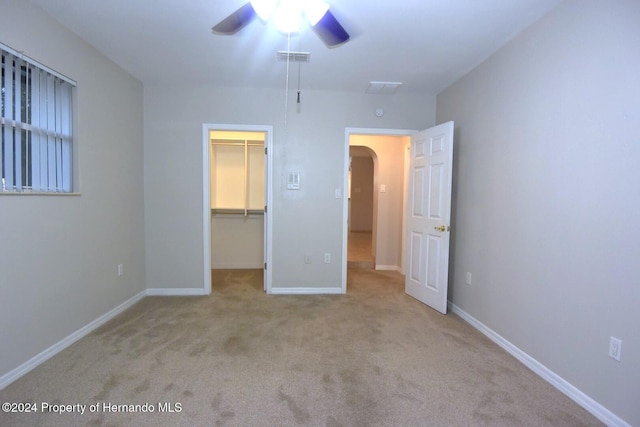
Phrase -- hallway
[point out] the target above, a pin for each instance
(359, 250)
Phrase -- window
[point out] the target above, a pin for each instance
(36, 132)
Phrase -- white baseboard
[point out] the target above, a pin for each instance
(175, 292)
(387, 268)
(42, 357)
(596, 409)
(599, 411)
(305, 291)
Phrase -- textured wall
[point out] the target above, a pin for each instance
(59, 254)
(305, 221)
(547, 195)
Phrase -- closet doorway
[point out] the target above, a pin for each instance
(236, 198)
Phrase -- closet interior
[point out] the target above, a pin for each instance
(237, 173)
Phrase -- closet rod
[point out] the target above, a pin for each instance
(240, 143)
(245, 212)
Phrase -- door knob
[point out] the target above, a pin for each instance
(442, 228)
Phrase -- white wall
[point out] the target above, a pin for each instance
(547, 195)
(59, 254)
(305, 221)
(361, 213)
(237, 241)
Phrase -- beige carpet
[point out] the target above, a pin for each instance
(373, 357)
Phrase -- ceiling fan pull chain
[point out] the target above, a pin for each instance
(286, 88)
(298, 105)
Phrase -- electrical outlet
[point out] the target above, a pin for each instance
(468, 280)
(615, 348)
(120, 269)
(327, 258)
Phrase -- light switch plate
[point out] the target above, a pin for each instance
(293, 181)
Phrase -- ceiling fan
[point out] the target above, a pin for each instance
(287, 16)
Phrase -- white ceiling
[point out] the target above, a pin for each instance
(425, 44)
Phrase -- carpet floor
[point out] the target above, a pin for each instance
(372, 357)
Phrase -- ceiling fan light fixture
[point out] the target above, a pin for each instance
(264, 8)
(314, 10)
(287, 16)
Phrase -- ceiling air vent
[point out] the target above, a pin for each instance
(283, 55)
(383, 87)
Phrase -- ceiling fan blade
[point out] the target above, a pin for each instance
(236, 21)
(330, 31)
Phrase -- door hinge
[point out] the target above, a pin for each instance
(265, 209)
(265, 265)
(265, 151)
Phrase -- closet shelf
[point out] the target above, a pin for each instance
(229, 211)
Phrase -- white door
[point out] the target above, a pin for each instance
(268, 203)
(266, 212)
(428, 213)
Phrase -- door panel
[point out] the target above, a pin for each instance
(435, 191)
(433, 263)
(430, 167)
(415, 258)
(418, 192)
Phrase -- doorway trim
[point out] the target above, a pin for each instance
(345, 202)
(206, 196)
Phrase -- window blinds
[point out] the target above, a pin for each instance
(36, 127)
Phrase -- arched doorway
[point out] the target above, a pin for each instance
(390, 147)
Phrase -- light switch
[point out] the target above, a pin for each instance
(293, 181)
(383, 188)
